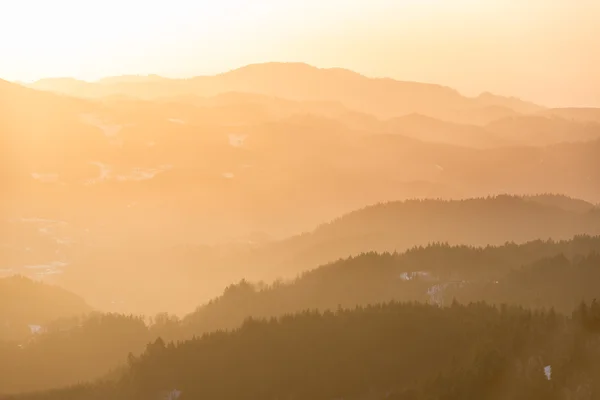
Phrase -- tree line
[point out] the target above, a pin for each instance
(403, 351)
(536, 275)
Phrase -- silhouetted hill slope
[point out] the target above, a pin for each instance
(25, 303)
(564, 202)
(396, 351)
(349, 354)
(396, 226)
(434, 274)
(87, 348)
(171, 261)
(86, 178)
(71, 351)
(386, 227)
(555, 282)
(295, 81)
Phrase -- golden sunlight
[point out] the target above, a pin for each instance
(506, 46)
(299, 199)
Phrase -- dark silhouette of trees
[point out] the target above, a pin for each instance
(24, 302)
(395, 350)
(540, 275)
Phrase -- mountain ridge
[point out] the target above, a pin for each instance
(383, 97)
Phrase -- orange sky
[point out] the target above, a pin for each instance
(543, 50)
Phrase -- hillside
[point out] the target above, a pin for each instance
(299, 200)
(363, 353)
(434, 274)
(536, 274)
(88, 262)
(27, 306)
(101, 186)
(563, 202)
(397, 226)
(71, 351)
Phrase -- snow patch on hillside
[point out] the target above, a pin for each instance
(437, 292)
(548, 372)
(409, 276)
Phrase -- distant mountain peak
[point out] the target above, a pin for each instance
(298, 81)
(287, 68)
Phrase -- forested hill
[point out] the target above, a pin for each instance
(179, 278)
(27, 306)
(535, 274)
(538, 274)
(392, 351)
(398, 226)
(477, 222)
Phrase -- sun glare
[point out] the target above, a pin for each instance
(82, 39)
(500, 45)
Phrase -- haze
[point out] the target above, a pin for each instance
(253, 200)
(543, 51)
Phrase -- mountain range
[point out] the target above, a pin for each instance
(384, 98)
(98, 173)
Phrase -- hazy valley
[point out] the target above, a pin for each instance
(356, 221)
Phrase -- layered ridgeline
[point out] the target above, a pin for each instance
(302, 82)
(70, 351)
(539, 274)
(136, 163)
(27, 307)
(277, 91)
(129, 160)
(392, 351)
(98, 187)
(178, 278)
(401, 225)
